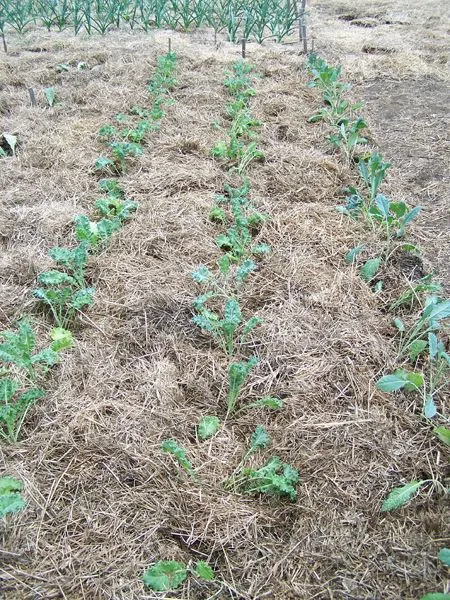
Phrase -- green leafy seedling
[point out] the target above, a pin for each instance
(11, 500)
(165, 575)
(13, 411)
(18, 349)
(444, 556)
(203, 570)
(237, 373)
(50, 95)
(11, 141)
(443, 433)
(400, 496)
(171, 447)
(275, 478)
(208, 426)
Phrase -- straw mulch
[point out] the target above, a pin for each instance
(104, 502)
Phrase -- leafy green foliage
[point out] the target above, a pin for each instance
(394, 217)
(275, 478)
(10, 144)
(400, 379)
(165, 575)
(208, 426)
(171, 447)
(50, 95)
(436, 596)
(237, 373)
(18, 349)
(204, 571)
(227, 330)
(370, 269)
(444, 556)
(11, 500)
(443, 433)
(373, 171)
(402, 495)
(13, 409)
(260, 439)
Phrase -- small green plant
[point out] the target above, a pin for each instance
(443, 433)
(50, 95)
(394, 217)
(414, 340)
(95, 233)
(348, 136)
(208, 426)
(415, 291)
(275, 478)
(19, 349)
(229, 330)
(373, 171)
(428, 382)
(400, 496)
(179, 454)
(11, 500)
(259, 440)
(14, 408)
(167, 575)
(114, 207)
(60, 292)
(265, 402)
(9, 146)
(237, 374)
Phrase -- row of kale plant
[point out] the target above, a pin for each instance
(64, 290)
(424, 363)
(219, 312)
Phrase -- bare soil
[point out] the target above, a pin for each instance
(104, 501)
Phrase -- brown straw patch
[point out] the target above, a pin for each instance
(104, 501)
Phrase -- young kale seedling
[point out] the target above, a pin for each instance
(14, 408)
(11, 500)
(237, 374)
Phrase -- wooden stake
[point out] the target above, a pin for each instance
(32, 96)
(243, 47)
(5, 47)
(301, 23)
(170, 45)
(305, 41)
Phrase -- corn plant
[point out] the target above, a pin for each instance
(11, 500)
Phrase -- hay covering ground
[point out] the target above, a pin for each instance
(104, 501)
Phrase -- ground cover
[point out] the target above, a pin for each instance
(104, 500)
